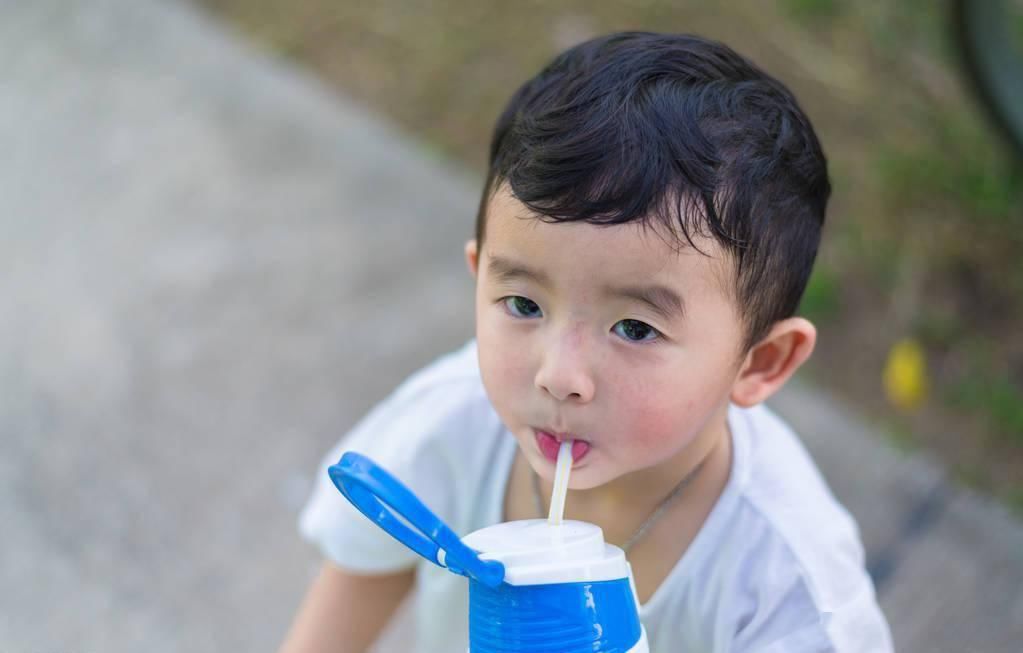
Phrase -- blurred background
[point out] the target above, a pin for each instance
(230, 227)
(925, 230)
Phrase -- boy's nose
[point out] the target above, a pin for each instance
(564, 374)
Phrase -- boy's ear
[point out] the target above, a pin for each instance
(472, 256)
(770, 363)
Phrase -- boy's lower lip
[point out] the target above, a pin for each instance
(549, 446)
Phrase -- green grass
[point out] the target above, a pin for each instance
(812, 10)
(990, 391)
(899, 434)
(940, 331)
(1017, 27)
(973, 476)
(820, 301)
(959, 161)
(1014, 499)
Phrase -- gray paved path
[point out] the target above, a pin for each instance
(210, 265)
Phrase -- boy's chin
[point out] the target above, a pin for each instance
(581, 482)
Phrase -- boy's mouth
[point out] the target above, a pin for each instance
(549, 444)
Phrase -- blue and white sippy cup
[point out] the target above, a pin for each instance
(533, 587)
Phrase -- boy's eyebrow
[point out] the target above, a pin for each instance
(661, 299)
(507, 270)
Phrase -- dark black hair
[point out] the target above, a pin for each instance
(675, 130)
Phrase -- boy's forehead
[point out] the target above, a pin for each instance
(639, 249)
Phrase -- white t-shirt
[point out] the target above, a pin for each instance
(777, 566)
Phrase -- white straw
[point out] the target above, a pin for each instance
(561, 473)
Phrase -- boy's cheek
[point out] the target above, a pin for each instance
(656, 424)
(503, 367)
(671, 417)
(501, 374)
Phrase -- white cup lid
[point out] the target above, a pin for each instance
(535, 552)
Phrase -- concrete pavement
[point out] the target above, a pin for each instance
(210, 266)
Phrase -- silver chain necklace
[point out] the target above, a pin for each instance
(655, 514)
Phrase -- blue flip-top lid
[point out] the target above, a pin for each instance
(392, 506)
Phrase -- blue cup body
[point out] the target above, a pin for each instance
(590, 617)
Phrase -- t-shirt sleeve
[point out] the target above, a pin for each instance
(409, 434)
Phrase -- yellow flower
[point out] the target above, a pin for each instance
(905, 375)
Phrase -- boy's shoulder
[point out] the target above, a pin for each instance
(457, 368)
(443, 404)
(439, 404)
(780, 489)
(778, 481)
(793, 551)
(774, 470)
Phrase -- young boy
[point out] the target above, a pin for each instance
(650, 218)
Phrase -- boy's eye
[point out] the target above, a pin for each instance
(521, 307)
(635, 331)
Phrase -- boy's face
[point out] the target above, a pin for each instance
(568, 348)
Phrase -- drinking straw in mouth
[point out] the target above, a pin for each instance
(562, 470)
